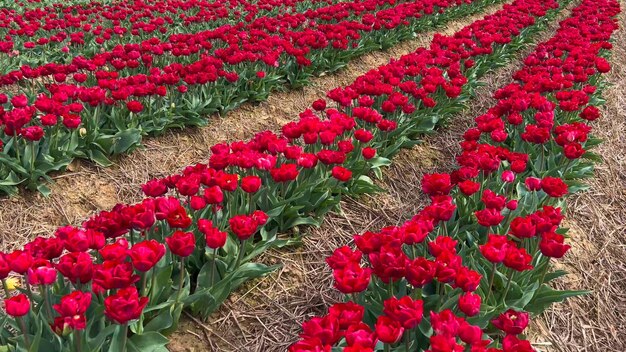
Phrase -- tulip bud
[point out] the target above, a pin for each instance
(469, 303)
(508, 176)
(512, 204)
(533, 183)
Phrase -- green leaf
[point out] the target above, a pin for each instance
(301, 221)
(147, 342)
(97, 156)
(125, 140)
(545, 296)
(95, 343)
(117, 339)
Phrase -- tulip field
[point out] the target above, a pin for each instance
(312, 175)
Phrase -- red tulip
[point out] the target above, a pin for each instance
(553, 245)
(495, 248)
(17, 306)
(19, 261)
(407, 311)
(436, 184)
(145, 255)
(76, 267)
(347, 314)
(511, 322)
(243, 226)
(388, 330)
(352, 278)
(325, 329)
(134, 106)
(125, 305)
(75, 303)
(368, 153)
(251, 184)
(469, 303)
(533, 183)
(341, 173)
(420, 271)
(5, 269)
(213, 236)
(154, 188)
(42, 273)
(213, 195)
(342, 257)
(517, 259)
(111, 275)
(181, 243)
(554, 186)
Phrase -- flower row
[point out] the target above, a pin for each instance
(142, 264)
(57, 29)
(465, 272)
(119, 96)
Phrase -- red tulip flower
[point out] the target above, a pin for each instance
(251, 184)
(511, 322)
(76, 267)
(146, 254)
(181, 243)
(553, 245)
(243, 226)
(125, 305)
(19, 261)
(388, 330)
(554, 186)
(17, 306)
(111, 275)
(5, 269)
(42, 273)
(352, 278)
(469, 303)
(213, 236)
(134, 106)
(75, 303)
(407, 311)
(341, 173)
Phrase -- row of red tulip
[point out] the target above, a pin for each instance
(142, 263)
(462, 273)
(57, 28)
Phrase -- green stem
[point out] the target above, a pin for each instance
(182, 279)
(46, 299)
(491, 278)
(29, 291)
(242, 251)
(17, 149)
(545, 272)
(124, 337)
(144, 278)
(214, 264)
(32, 156)
(387, 347)
(78, 340)
(22, 324)
(152, 282)
(508, 286)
